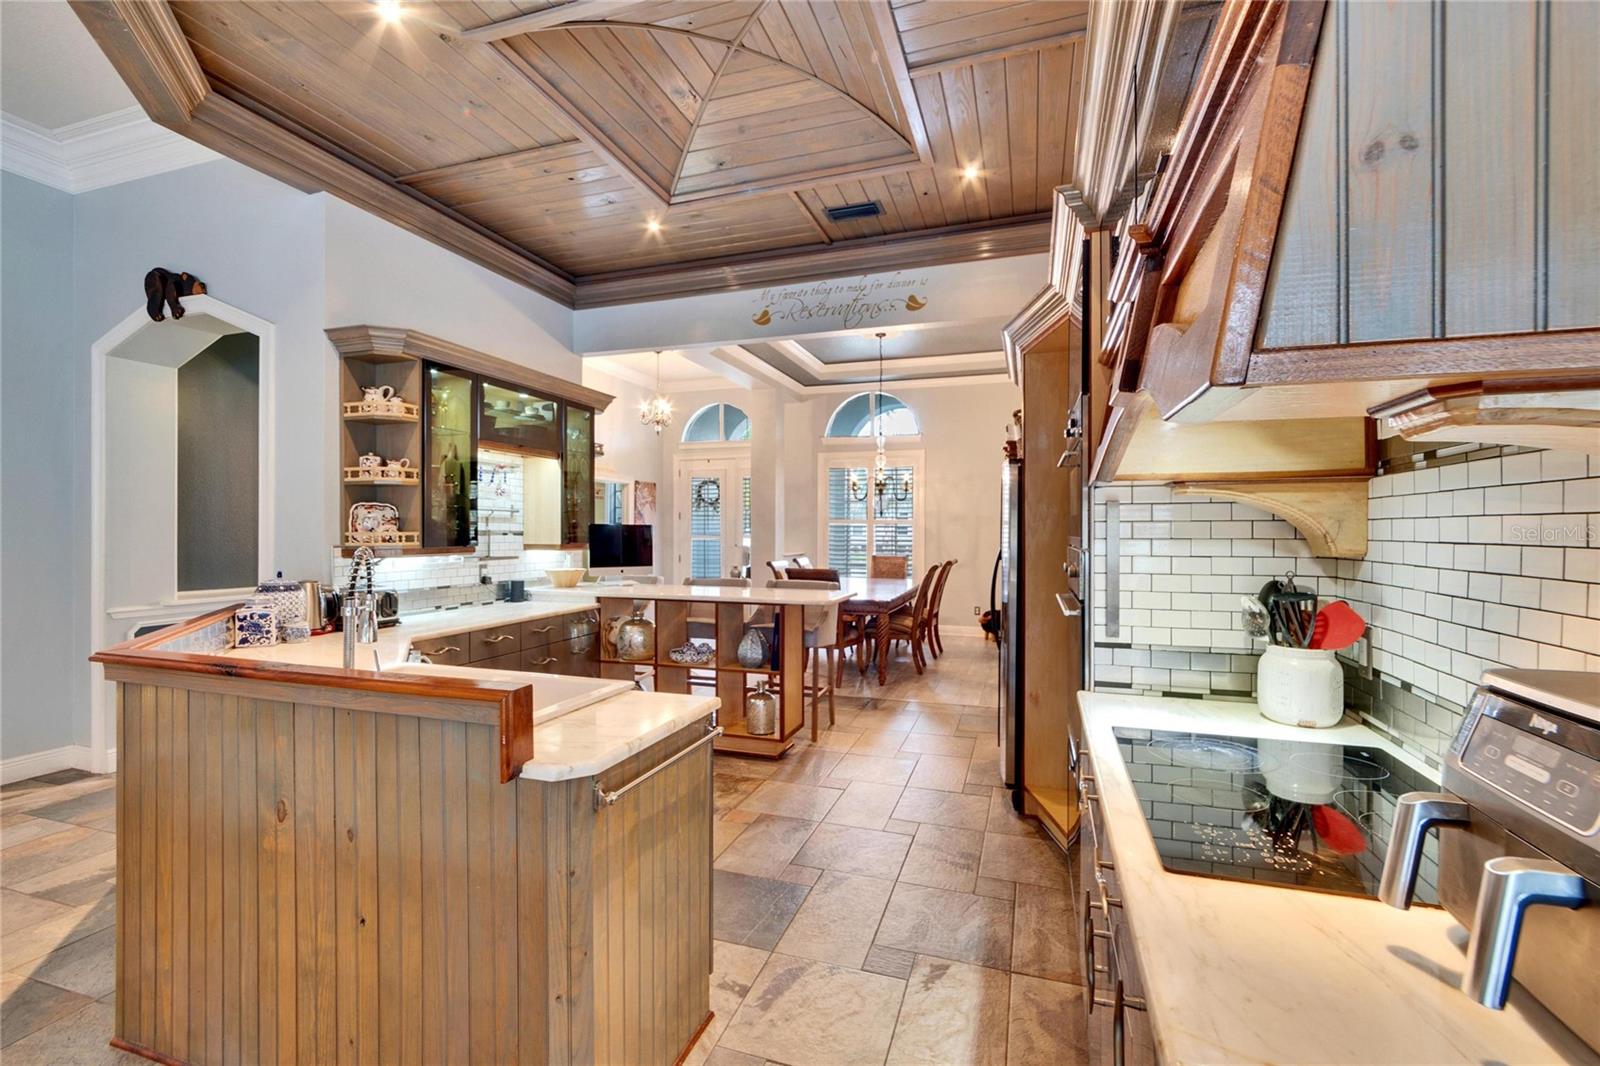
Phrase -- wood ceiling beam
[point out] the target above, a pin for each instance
(953, 244)
(148, 50)
(549, 18)
(939, 66)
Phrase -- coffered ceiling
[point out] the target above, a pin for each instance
(609, 150)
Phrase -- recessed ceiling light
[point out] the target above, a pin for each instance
(389, 10)
(653, 226)
(970, 171)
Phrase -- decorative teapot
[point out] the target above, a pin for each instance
(370, 461)
(377, 397)
(397, 467)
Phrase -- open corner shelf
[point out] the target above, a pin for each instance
(399, 539)
(353, 412)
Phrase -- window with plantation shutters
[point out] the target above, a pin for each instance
(855, 529)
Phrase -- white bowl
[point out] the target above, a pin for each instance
(566, 577)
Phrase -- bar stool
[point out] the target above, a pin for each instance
(822, 635)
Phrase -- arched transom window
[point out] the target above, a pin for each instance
(717, 422)
(862, 415)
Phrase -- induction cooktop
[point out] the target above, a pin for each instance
(1292, 813)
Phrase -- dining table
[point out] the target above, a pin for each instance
(878, 598)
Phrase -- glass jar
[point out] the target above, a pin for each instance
(761, 711)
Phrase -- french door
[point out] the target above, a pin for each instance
(712, 503)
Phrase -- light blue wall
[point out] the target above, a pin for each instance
(74, 269)
(42, 416)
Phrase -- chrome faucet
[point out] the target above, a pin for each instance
(1414, 814)
(360, 610)
(1509, 887)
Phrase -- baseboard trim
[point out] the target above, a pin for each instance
(67, 757)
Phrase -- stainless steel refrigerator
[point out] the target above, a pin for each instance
(1008, 578)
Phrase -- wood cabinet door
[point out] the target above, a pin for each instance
(544, 659)
(447, 651)
(509, 661)
(491, 643)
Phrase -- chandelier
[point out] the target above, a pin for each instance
(656, 412)
(882, 490)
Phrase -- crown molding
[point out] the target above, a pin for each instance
(92, 154)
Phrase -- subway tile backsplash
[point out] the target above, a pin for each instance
(1478, 558)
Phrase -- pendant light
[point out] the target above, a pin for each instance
(880, 462)
(656, 412)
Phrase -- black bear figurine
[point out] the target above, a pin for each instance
(167, 285)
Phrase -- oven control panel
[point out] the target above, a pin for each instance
(1543, 760)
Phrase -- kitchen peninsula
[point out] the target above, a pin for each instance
(418, 863)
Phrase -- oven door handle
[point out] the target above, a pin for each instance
(1414, 814)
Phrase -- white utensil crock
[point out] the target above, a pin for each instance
(1300, 686)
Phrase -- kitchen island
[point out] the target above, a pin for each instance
(728, 613)
(423, 863)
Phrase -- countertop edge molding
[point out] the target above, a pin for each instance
(507, 705)
(397, 342)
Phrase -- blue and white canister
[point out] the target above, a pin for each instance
(287, 598)
(255, 625)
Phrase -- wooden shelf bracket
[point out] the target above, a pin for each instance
(1330, 512)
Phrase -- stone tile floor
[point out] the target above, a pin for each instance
(876, 901)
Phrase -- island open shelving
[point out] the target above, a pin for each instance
(784, 611)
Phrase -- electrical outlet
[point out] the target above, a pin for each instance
(976, 609)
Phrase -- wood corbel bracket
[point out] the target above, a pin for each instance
(1330, 512)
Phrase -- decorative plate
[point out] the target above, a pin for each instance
(374, 517)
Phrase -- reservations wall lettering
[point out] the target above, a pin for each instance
(846, 304)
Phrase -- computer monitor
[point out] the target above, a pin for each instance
(617, 550)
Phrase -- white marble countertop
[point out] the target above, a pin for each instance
(1235, 972)
(597, 737)
(705, 594)
(395, 641)
(581, 725)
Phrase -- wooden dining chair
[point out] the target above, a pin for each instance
(886, 566)
(935, 641)
(824, 633)
(911, 625)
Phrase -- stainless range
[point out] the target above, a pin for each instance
(1519, 842)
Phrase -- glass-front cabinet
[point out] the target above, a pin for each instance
(578, 476)
(515, 418)
(553, 439)
(450, 444)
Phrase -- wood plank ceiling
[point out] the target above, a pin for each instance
(610, 141)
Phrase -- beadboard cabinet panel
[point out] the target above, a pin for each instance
(1490, 149)
(1388, 158)
(301, 883)
(1432, 195)
(1572, 277)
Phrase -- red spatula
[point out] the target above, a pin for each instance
(1337, 627)
(1336, 828)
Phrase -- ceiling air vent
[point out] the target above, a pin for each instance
(848, 211)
